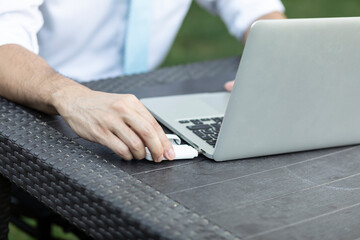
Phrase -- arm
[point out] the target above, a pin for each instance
(273, 15)
(117, 121)
(239, 15)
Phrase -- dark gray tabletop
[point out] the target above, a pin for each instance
(307, 195)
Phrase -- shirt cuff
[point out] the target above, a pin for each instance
(239, 15)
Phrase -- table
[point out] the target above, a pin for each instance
(306, 195)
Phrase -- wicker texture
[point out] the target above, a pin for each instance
(5, 187)
(90, 192)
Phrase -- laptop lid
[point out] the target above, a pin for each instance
(297, 88)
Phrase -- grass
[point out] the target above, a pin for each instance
(203, 37)
(16, 234)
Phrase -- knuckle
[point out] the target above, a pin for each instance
(137, 145)
(123, 151)
(158, 152)
(127, 157)
(102, 140)
(147, 132)
(155, 124)
(143, 155)
(125, 103)
(120, 107)
(99, 135)
(109, 119)
(125, 154)
(131, 98)
(140, 156)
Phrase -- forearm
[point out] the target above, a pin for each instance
(118, 121)
(272, 15)
(27, 79)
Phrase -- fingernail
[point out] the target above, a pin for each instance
(171, 153)
(160, 158)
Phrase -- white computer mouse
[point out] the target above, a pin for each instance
(182, 151)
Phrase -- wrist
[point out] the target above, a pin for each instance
(64, 93)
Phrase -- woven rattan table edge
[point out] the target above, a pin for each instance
(194, 226)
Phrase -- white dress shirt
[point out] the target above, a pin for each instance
(85, 40)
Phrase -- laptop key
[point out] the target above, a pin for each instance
(184, 121)
(196, 127)
(196, 121)
(217, 119)
(207, 131)
(211, 142)
(213, 136)
(202, 135)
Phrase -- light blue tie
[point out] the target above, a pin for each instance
(137, 37)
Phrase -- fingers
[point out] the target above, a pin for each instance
(120, 122)
(148, 135)
(167, 146)
(229, 85)
(148, 129)
(115, 144)
(131, 139)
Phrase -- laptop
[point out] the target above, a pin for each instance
(297, 88)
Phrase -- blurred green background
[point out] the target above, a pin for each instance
(203, 37)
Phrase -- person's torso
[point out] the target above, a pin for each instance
(85, 40)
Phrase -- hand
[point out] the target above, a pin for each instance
(271, 15)
(118, 121)
(229, 85)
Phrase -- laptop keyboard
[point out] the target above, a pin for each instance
(205, 128)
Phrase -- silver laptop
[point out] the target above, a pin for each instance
(297, 88)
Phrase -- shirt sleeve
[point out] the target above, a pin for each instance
(238, 15)
(20, 21)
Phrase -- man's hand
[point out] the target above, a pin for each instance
(273, 15)
(117, 121)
